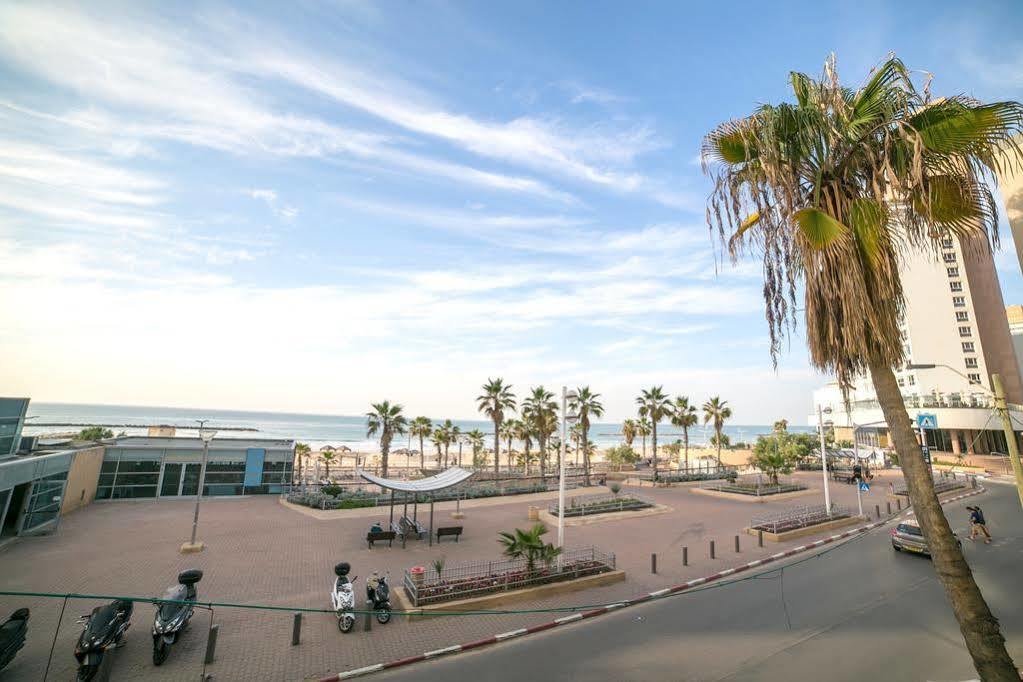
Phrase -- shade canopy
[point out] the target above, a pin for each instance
(444, 479)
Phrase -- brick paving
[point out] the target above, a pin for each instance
(260, 552)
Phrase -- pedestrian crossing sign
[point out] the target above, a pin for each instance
(864, 486)
(927, 421)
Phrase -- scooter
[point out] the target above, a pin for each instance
(104, 629)
(12, 636)
(173, 615)
(343, 597)
(378, 596)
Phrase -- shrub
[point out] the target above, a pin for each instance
(332, 490)
(615, 488)
(622, 454)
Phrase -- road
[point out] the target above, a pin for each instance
(857, 612)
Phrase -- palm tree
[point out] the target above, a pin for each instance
(683, 416)
(528, 544)
(586, 404)
(458, 437)
(575, 434)
(496, 399)
(387, 420)
(717, 411)
(449, 433)
(830, 190)
(438, 436)
(542, 412)
(327, 458)
(781, 426)
(630, 429)
(302, 451)
(421, 427)
(655, 406)
(508, 430)
(524, 433)
(475, 439)
(643, 429)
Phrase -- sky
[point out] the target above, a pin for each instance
(311, 206)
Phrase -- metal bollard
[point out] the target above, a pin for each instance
(877, 510)
(367, 624)
(653, 563)
(760, 538)
(736, 544)
(211, 644)
(296, 629)
(889, 505)
(898, 503)
(685, 556)
(711, 549)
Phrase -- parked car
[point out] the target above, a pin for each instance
(909, 537)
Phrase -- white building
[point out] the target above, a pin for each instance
(955, 320)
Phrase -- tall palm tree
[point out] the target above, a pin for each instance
(327, 458)
(683, 415)
(302, 451)
(630, 429)
(655, 406)
(716, 411)
(509, 428)
(542, 412)
(438, 437)
(643, 429)
(449, 433)
(781, 426)
(831, 190)
(586, 404)
(496, 399)
(459, 438)
(524, 433)
(476, 440)
(421, 427)
(388, 421)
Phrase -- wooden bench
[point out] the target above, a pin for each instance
(449, 530)
(843, 476)
(380, 536)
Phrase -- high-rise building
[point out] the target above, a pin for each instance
(955, 320)
(1010, 185)
(1014, 314)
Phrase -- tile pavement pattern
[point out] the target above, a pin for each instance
(260, 553)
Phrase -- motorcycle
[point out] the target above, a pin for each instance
(104, 629)
(343, 597)
(12, 636)
(173, 615)
(378, 596)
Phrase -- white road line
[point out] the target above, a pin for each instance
(510, 634)
(441, 652)
(568, 619)
(658, 593)
(360, 671)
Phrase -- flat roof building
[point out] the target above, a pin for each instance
(162, 467)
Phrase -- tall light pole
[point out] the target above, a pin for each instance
(206, 435)
(565, 418)
(824, 459)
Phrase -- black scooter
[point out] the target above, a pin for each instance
(378, 596)
(104, 629)
(12, 636)
(172, 616)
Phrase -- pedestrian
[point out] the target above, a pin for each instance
(978, 525)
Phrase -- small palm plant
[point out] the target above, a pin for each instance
(327, 458)
(528, 545)
(438, 566)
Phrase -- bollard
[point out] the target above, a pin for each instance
(296, 629)
(760, 538)
(685, 556)
(711, 549)
(736, 544)
(877, 510)
(973, 482)
(653, 563)
(367, 624)
(211, 643)
(889, 505)
(898, 503)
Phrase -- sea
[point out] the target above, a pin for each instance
(315, 429)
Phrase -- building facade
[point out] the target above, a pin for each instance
(12, 420)
(954, 324)
(158, 467)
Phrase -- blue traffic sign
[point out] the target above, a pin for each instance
(864, 486)
(927, 421)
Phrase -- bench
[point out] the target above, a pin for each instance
(449, 530)
(380, 536)
(406, 527)
(843, 476)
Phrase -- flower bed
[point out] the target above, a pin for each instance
(601, 504)
(755, 487)
(479, 578)
(353, 499)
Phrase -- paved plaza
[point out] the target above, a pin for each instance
(260, 552)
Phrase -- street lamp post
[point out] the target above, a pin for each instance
(565, 418)
(206, 435)
(824, 458)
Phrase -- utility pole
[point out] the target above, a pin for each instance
(824, 460)
(561, 463)
(1010, 434)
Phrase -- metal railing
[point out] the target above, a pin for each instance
(477, 578)
(586, 505)
(941, 485)
(798, 517)
(756, 485)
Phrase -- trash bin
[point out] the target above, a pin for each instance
(534, 513)
(417, 575)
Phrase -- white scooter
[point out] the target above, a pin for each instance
(343, 597)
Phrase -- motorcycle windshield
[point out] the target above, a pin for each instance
(100, 624)
(176, 593)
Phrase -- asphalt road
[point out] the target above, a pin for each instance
(857, 612)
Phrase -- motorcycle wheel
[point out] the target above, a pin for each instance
(160, 651)
(383, 616)
(87, 672)
(345, 624)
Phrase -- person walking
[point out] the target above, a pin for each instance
(978, 525)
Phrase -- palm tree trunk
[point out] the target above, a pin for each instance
(653, 437)
(497, 448)
(980, 629)
(422, 454)
(445, 455)
(543, 459)
(586, 455)
(644, 446)
(459, 453)
(385, 447)
(718, 430)
(685, 437)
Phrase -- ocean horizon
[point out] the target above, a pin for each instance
(315, 429)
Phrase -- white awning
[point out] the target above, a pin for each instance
(444, 479)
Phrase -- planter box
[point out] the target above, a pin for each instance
(806, 530)
(743, 497)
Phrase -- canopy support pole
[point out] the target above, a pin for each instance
(392, 506)
(431, 519)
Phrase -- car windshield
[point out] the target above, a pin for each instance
(910, 530)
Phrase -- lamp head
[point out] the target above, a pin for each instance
(206, 435)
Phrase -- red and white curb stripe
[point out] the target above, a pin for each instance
(358, 672)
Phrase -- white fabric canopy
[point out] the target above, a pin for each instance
(444, 479)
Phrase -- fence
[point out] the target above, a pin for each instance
(585, 505)
(941, 485)
(798, 517)
(477, 578)
(709, 473)
(753, 485)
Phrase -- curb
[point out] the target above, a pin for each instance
(575, 617)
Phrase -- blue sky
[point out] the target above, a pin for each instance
(306, 207)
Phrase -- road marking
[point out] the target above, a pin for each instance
(755, 563)
(510, 634)
(698, 581)
(568, 619)
(358, 671)
(658, 593)
(441, 652)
